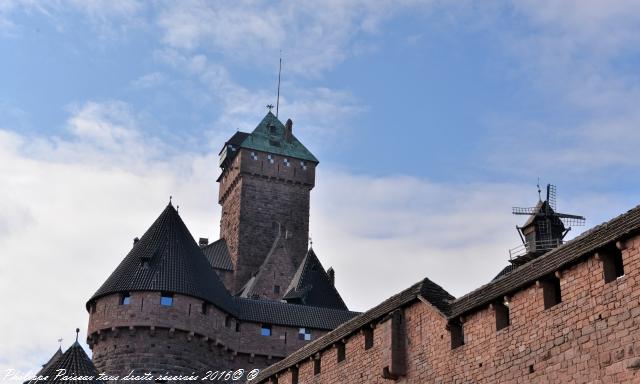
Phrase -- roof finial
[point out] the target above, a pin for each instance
(77, 332)
(170, 198)
(539, 196)
(279, 73)
(310, 241)
(269, 107)
(60, 343)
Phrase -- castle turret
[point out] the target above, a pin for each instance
(265, 184)
(162, 309)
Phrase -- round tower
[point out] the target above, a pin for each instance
(163, 310)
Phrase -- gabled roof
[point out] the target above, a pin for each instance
(311, 285)
(293, 315)
(562, 256)
(269, 137)
(217, 254)
(167, 259)
(75, 361)
(425, 289)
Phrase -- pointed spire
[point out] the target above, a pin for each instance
(77, 333)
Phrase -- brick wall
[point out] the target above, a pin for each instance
(145, 335)
(255, 194)
(591, 336)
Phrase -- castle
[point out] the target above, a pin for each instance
(562, 311)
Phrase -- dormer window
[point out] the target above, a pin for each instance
(166, 299)
(125, 299)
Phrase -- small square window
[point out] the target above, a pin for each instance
(304, 334)
(125, 299)
(254, 156)
(166, 300)
(286, 162)
(265, 330)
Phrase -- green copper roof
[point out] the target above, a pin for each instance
(269, 137)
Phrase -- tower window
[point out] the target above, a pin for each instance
(203, 309)
(254, 156)
(341, 351)
(270, 158)
(237, 326)
(612, 265)
(166, 299)
(551, 292)
(125, 299)
(286, 162)
(368, 338)
(303, 165)
(304, 334)
(294, 375)
(457, 334)
(502, 315)
(316, 366)
(227, 321)
(265, 330)
(276, 289)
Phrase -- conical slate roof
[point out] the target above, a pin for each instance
(311, 285)
(167, 259)
(76, 363)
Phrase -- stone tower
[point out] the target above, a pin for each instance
(162, 307)
(265, 184)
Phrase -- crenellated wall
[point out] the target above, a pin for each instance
(147, 336)
(591, 336)
(258, 190)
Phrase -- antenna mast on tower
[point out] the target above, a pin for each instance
(278, 98)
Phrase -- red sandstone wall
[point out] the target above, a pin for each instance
(256, 193)
(146, 335)
(592, 336)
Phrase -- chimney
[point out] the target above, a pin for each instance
(332, 275)
(203, 241)
(288, 130)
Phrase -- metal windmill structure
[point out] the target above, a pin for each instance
(545, 228)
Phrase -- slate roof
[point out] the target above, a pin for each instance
(432, 292)
(312, 286)
(167, 259)
(75, 361)
(264, 139)
(295, 315)
(217, 253)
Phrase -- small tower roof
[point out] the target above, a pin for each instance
(269, 136)
(74, 360)
(168, 259)
(312, 285)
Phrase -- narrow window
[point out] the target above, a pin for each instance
(457, 334)
(368, 337)
(294, 375)
(276, 289)
(341, 351)
(237, 326)
(502, 315)
(551, 292)
(166, 299)
(265, 330)
(227, 321)
(612, 265)
(203, 308)
(304, 334)
(316, 366)
(125, 299)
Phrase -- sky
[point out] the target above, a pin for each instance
(431, 119)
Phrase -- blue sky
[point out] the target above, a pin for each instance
(430, 119)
